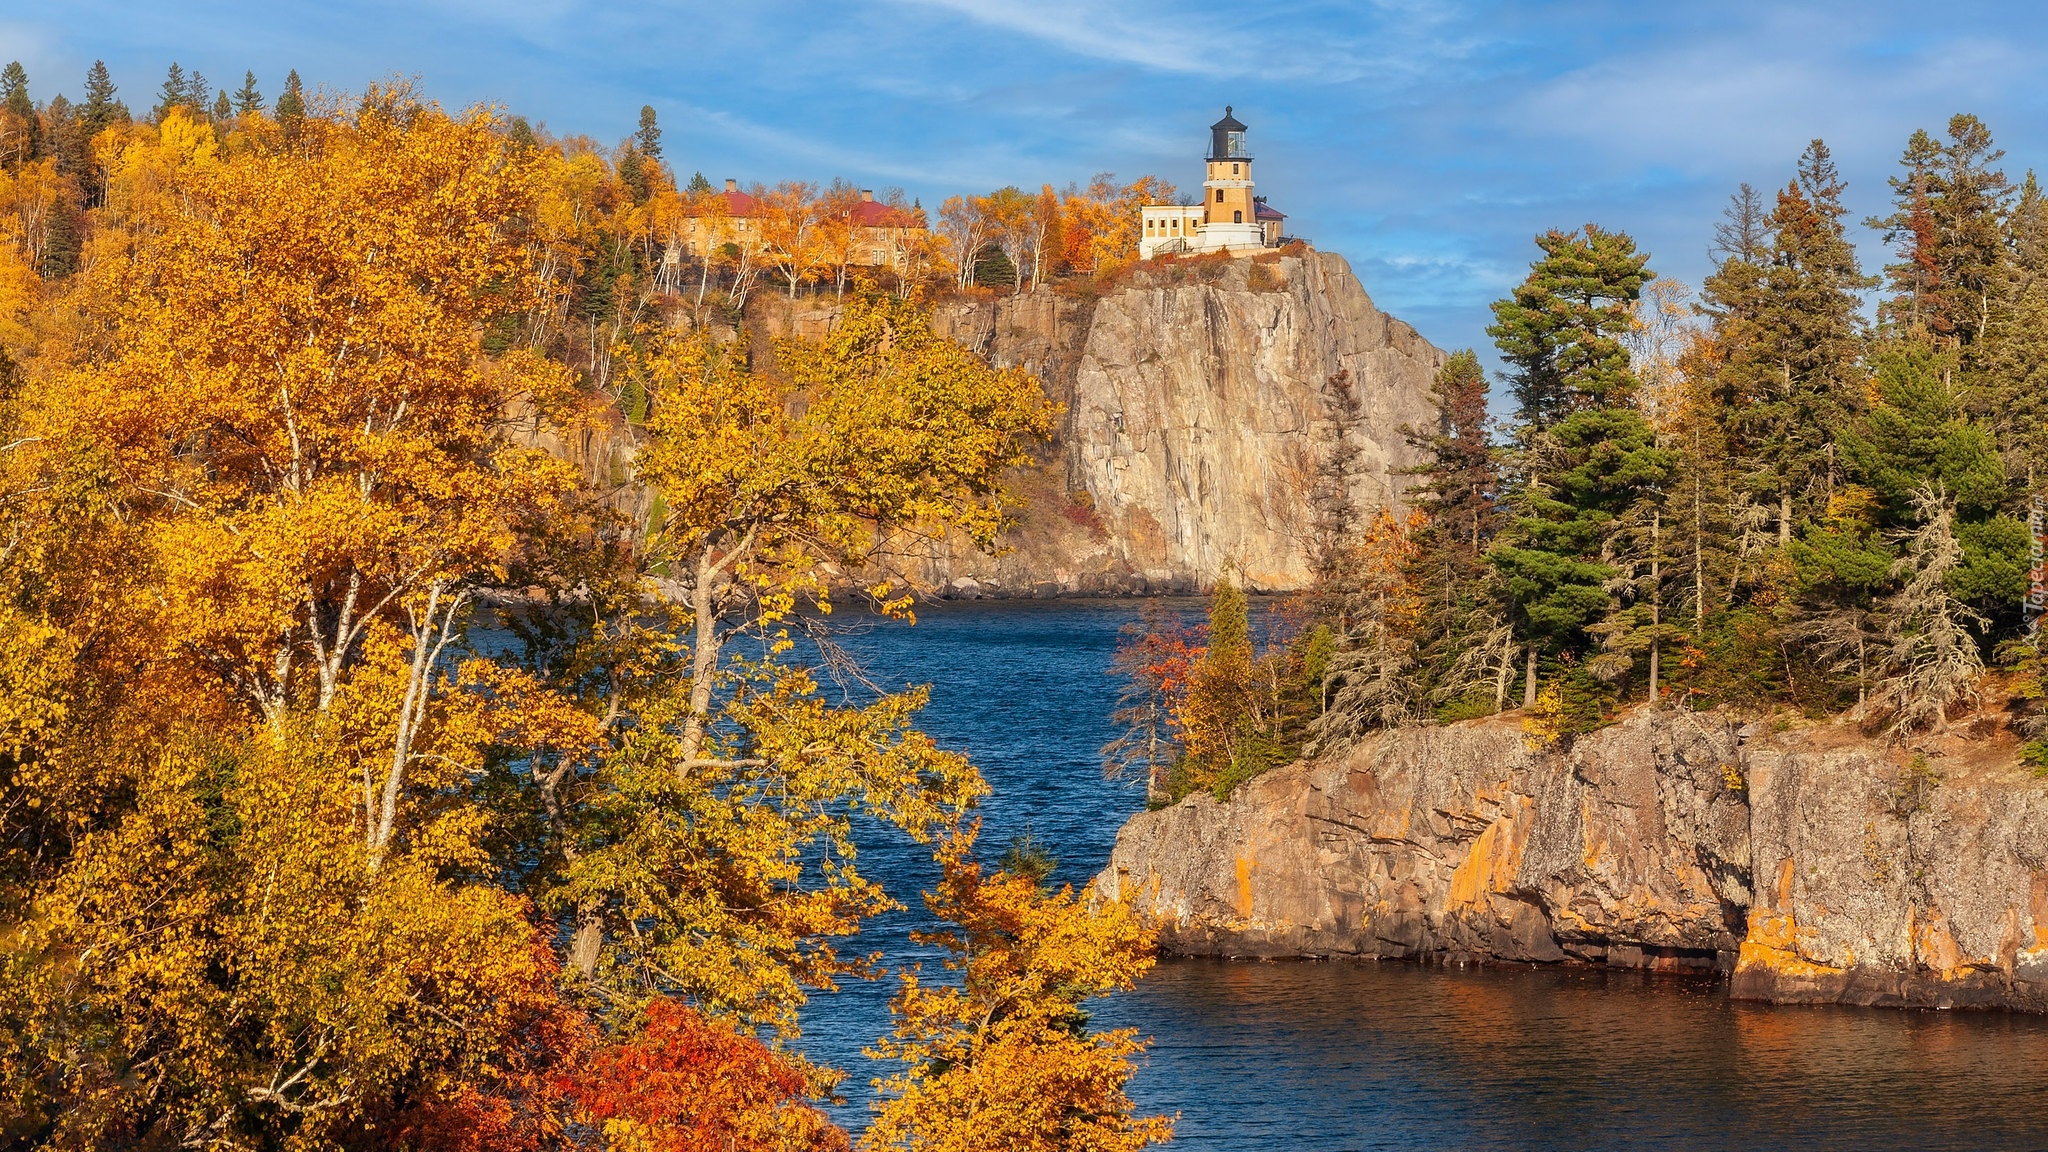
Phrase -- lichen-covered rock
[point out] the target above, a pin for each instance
(1813, 864)
(1887, 883)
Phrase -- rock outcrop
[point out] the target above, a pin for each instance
(1199, 397)
(1811, 864)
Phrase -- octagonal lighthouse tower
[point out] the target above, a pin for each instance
(1229, 218)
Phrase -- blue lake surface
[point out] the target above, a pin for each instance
(1338, 1056)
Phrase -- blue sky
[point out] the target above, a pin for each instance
(1426, 140)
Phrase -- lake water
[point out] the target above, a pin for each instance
(1332, 1056)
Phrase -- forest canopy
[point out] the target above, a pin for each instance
(1801, 486)
(368, 777)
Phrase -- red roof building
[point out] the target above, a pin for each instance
(880, 234)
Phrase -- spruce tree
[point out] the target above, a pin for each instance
(1464, 641)
(1946, 228)
(698, 184)
(101, 110)
(632, 170)
(1969, 221)
(223, 109)
(248, 101)
(2013, 387)
(61, 136)
(1789, 335)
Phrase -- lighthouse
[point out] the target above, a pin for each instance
(1229, 218)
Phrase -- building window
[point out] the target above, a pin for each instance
(1219, 195)
(1233, 169)
(1237, 217)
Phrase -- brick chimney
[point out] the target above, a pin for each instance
(867, 194)
(731, 185)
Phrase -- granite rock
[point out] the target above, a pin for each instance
(1811, 863)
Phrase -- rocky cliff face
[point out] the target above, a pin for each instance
(1811, 864)
(1199, 401)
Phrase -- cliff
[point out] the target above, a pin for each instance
(1810, 863)
(1199, 402)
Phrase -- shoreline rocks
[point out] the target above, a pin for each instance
(1809, 865)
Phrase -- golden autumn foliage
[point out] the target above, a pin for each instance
(1003, 1060)
(366, 780)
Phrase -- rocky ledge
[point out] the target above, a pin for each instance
(1811, 864)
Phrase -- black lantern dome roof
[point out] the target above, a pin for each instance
(1221, 144)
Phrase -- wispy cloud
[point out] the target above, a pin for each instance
(1352, 43)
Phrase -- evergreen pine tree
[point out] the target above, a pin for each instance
(173, 94)
(1946, 227)
(698, 184)
(196, 93)
(649, 136)
(223, 109)
(2013, 387)
(248, 101)
(101, 110)
(1586, 454)
(1459, 487)
(1791, 343)
(21, 134)
(291, 105)
(1464, 642)
(1561, 330)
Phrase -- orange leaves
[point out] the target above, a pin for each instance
(1160, 659)
(788, 216)
(883, 426)
(268, 839)
(1003, 1060)
(685, 1083)
(1384, 558)
(296, 394)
